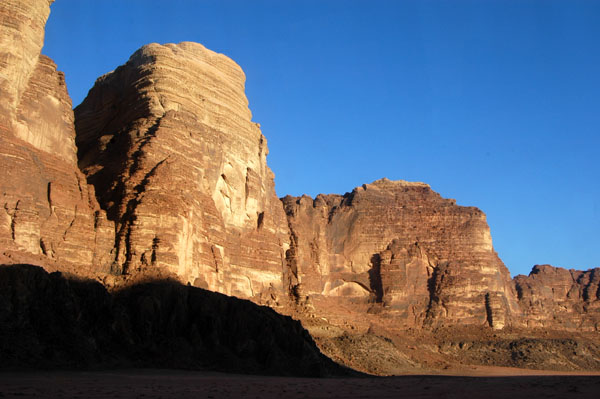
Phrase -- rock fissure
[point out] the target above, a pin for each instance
(138, 153)
(71, 223)
(49, 197)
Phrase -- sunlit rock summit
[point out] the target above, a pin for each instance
(168, 142)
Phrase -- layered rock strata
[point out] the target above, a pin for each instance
(49, 213)
(553, 297)
(168, 142)
(425, 259)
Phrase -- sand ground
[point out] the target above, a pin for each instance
(485, 383)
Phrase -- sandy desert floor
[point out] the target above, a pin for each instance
(145, 384)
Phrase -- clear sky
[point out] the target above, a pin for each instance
(493, 103)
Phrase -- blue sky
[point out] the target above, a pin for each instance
(493, 103)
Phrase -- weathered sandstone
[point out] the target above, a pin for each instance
(425, 259)
(49, 213)
(168, 142)
(553, 297)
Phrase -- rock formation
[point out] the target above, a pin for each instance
(426, 262)
(179, 186)
(168, 142)
(49, 213)
(401, 244)
(553, 297)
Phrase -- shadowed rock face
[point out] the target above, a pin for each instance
(168, 142)
(49, 321)
(48, 212)
(399, 243)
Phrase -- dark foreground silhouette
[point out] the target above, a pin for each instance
(48, 321)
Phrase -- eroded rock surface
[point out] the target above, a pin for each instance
(553, 297)
(167, 140)
(425, 259)
(49, 213)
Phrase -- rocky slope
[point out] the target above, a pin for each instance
(49, 213)
(168, 142)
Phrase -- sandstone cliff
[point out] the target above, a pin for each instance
(168, 142)
(553, 297)
(49, 214)
(400, 244)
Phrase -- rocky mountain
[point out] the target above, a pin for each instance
(161, 172)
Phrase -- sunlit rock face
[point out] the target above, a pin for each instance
(400, 244)
(49, 214)
(553, 297)
(168, 142)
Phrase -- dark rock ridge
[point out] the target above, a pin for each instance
(47, 320)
